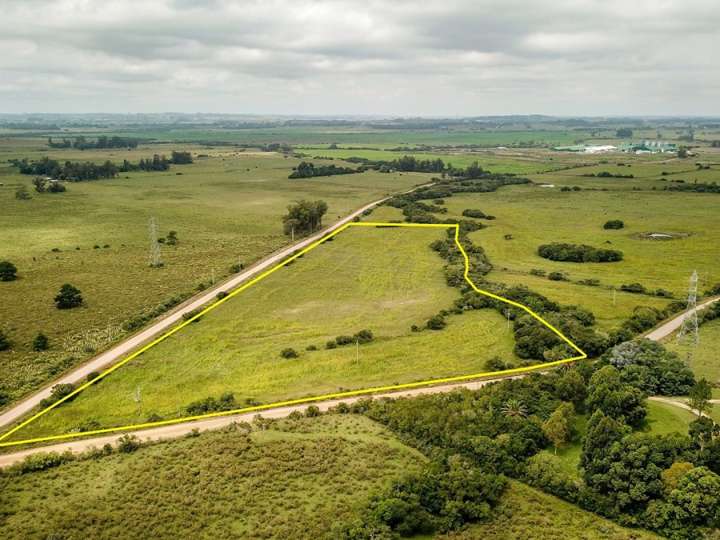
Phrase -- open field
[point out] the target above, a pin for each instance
(705, 358)
(294, 480)
(523, 509)
(226, 208)
(535, 216)
(336, 289)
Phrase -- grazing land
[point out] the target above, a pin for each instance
(705, 357)
(226, 209)
(294, 480)
(336, 289)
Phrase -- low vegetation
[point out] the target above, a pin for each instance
(580, 253)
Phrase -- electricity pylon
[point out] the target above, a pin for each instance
(155, 259)
(689, 331)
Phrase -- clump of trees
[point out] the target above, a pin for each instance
(614, 224)
(8, 271)
(308, 170)
(444, 496)
(475, 213)
(43, 185)
(578, 253)
(361, 337)
(68, 297)
(647, 365)
(304, 217)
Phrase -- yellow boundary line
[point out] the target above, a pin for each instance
(514, 371)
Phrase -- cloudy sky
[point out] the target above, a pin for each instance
(397, 57)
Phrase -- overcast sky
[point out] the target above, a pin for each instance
(388, 57)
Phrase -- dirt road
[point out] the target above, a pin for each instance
(673, 324)
(179, 430)
(113, 355)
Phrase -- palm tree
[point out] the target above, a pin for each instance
(514, 408)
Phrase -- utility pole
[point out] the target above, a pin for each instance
(357, 350)
(689, 331)
(155, 258)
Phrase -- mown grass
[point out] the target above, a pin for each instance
(294, 480)
(226, 208)
(525, 512)
(382, 279)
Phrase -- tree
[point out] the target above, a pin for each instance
(698, 495)
(41, 342)
(699, 397)
(602, 431)
(69, 297)
(289, 353)
(624, 133)
(40, 184)
(4, 342)
(514, 408)
(304, 217)
(682, 152)
(571, 387)
(8, 271)
(615, 398)
(558, 428)
(614, 224)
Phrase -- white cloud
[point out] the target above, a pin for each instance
(364, 56)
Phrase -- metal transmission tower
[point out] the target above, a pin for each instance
(689, 329)
(155, 258)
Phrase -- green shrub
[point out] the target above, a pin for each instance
(614, 224)
(41, 343)
(331, 344)
(436, 322)
(128, 444)
(363, 336)
(344, 340)
(68, 297)
(289, 353)
(8, 271)
(4, 342)
(578, 253)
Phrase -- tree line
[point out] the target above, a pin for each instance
(78, 171)
(309, 170)
(81, 143)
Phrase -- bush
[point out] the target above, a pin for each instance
(363, 336)
(344, 340)
(235, 268)
(557, 276)
(43, 461)
(4, 342)
(331, 344)
(437, 322)
(473, 213)
(221, 295)
(41, 343)
(224, 403)
(636, 288)
(578, 253)
(69, 297)
(614, 224)
(312, 411)
(311, 348)
(58, 392)
(128, 444)
(289, 353)
(8, 271)
(496, 364)
(22, 194)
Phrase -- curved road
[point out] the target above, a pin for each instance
(668, 327)
(113, 355)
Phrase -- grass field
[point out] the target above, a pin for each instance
(382, 279)
(705, 357)
(535, 216)
(226, 208)
(525, 512)
(294, 480)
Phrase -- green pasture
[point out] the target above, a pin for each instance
(382, 279)
(705, 357)
(226, 208)
(294, 480)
